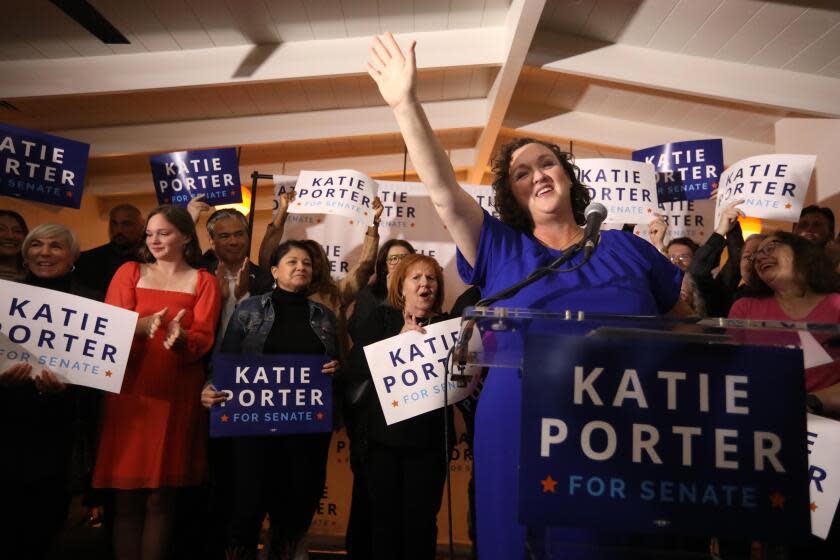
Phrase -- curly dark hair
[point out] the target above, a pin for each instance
(181, 219)
(506, 205)
(380, 284)
(810, 264)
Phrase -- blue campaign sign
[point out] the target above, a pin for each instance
(271, 395)
(684, 170)
(664, 437)
(180, 176)
(42, 167)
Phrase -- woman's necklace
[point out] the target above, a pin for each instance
(576, 238)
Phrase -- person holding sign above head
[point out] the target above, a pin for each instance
(541, 204)
(280, 475)
(153, 433)
(405, 463)
(12, 232)
(43, 421)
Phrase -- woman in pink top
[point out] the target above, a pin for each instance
(794, 281)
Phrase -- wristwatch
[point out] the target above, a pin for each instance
(814, 404)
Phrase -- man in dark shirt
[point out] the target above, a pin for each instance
(816, 224)
(96, 267)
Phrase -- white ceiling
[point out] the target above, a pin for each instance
(281, 77)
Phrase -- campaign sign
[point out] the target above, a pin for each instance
(685, 218)
(271, 395)
(664, 437)
(42, 167)
(343, 192)
(824, 464)
(684, 170)
(772, 186)
(409, 374)
(82, 341)
(626, 188)
(180, 176)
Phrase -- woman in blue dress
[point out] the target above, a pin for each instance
(541, 203)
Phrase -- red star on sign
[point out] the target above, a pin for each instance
(777, 500)
(69, 194)
(412, 224)
(814, 506)
(109, 373)
(549, 485)
(395, 404)
(225, 418)
(317, 220)
(319, 415)
(788, 205)
(650, 211)
(351, 222)
(365, 213)
(714, 185)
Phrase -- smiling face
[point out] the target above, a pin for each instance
(680, 255)
(229, 240)
(293, 272)
(746, 264)
(774, 263)
(539, 182)
(420, 289)
(11, 237)
(815, 228)
(164, 240)
(49, 257)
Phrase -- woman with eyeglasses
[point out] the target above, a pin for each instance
(794, 280)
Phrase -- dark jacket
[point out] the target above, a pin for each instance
(253, 318)
(96, 268)
(424, 431)
(718, 292)
(260, 280)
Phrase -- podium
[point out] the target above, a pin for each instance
(641, 437)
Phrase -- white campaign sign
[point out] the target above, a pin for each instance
(772, 186)
(83, 341)
(685, 218)
(627, 188)
(408, 371)
(408, 214)
(824, 471)
(343, 192)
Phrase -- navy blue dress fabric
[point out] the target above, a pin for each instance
(626, 275)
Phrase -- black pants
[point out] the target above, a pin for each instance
(405, 489)
(33, 514)
(283, 476)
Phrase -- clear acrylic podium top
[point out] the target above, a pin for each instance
(502, 331)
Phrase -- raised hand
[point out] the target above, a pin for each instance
(331, 367)
(16, 374)
(656, 231)
(411, 324)
(729, 217)
(175, 334)
(211, 396)
(243, 279)
(149, 324)
(196, 207)
(222, 280)
(394, 73)
(378, 207)
(48, 382)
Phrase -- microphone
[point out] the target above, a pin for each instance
(595, 215)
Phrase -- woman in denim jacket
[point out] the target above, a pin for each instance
(279, 475)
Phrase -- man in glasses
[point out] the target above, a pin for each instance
(680, 251)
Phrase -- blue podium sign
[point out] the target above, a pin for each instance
(271, 395)
(664, 437)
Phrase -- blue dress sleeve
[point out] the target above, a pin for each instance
(665, 278)
(495, 241)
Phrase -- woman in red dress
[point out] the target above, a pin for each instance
(153, 433)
